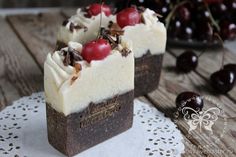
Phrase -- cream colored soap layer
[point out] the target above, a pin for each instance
(82, 35)
(98, 81)
(150, 35)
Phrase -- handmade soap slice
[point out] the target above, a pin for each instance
(149, 42)
(146, 33)
(89, 99)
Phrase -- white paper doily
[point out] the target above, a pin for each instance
(23, 133)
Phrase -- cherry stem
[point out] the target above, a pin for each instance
(171, 14)
(222, 44)
(201, 53)
(211, 17)
(100, 24)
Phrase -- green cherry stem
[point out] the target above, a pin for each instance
(222, 44)
(171, 14)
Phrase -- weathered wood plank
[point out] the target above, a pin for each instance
(190, 149)
(19, 74)
(211, 61)
(38, 32)
(164, 99)
(68, 12)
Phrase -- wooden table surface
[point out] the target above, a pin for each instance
(26, 39)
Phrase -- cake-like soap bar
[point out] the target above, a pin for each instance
(148, 38)
(141, 27)
(89, 93)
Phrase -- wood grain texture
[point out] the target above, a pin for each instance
(19, 74)
(171, 85)
(68, 12)
(211, 61)
(38, 32)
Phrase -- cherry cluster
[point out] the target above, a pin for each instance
(100, 48)
(196, 20)
(222, 80)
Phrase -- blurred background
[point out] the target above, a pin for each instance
(43, 3)
(187, 21)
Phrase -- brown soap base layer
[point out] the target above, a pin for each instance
(77, 132)
(147, 73)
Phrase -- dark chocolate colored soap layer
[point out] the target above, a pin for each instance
(147, 73)
(77, 132)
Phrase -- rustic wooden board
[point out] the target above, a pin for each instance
(68, 12)
(171, 85)
(38, 32)
(19, 74)
(211, 61)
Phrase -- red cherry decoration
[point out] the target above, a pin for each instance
(128, 17)
(95, 9)
(96, 50)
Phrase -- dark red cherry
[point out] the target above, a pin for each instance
(189, 99)
(186, 33)
(96, 50)
(205, 31)
(174, 28)
(213, 1)
(231, 4)
(228, 30)
(183, 13)
(202, 15)
(95, 9)
(231, 67)
(187, 61)
(128, 17)
(218, 10)
(223, 81)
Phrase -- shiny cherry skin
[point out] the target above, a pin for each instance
(205, 31)
(95, 9)
(202, 15)
(184, 14)
(231, 67)
(191, 99)
(231, 4)
(174, 28)
(186, 33)
(187, 61)
(128, 17)
(96, 50)
(223, 81)
(228, 30)
(218, 10)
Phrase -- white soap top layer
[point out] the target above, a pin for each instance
(89, 30)
(150, 35)
(96, 82)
